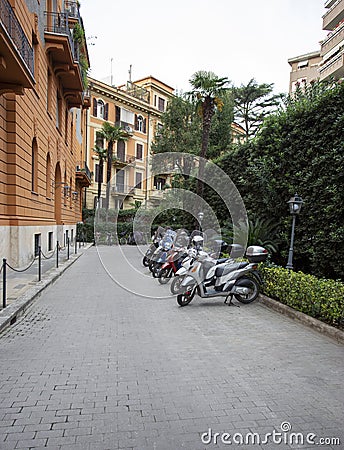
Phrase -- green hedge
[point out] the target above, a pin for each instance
(319, 298)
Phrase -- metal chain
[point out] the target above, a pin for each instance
(21, 270)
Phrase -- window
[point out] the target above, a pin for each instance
(37, 243)
(161, 104)
(58, 109)
(139, 151)
(49, 90)
(99, 140)
(121, 150)
(100, 109)
(138, 180)
(99, 173)
(50, 241)
(140, 124)
(159, 183)
(34, 165)
(48, 177)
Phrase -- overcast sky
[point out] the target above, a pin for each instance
(238, 39)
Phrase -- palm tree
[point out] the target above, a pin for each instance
(111, 134)
(102, 156)
(207, 91)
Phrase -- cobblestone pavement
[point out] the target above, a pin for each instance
(93, 366)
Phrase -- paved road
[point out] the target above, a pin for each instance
(95, 366)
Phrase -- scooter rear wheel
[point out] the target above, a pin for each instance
(186, 297)
(253, 290)
(164, 276)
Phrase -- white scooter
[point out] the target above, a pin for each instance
(210, 279)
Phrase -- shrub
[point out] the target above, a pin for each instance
(319, 298)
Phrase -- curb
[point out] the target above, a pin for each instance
(311, 322)
(12, 312)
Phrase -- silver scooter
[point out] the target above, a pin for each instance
(230, 279)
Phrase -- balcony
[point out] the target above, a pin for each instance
(16, 58)
(333, 68)
(126, 127)
(72, 9)
(83, 175)
(122, 161)
(334, 38)
(122, 189)
(64, 53)
(334, 15)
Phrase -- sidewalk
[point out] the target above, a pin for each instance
(23, 287)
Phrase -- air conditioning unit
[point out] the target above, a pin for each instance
(128, 129)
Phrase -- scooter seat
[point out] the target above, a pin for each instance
(221, 261)
(221, 271)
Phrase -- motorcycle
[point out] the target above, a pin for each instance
(229, 279)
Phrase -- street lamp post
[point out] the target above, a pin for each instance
(200, 218)
(295, 205)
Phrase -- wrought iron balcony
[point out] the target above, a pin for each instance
(16, 51)
(72, 8)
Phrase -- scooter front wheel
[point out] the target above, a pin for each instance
(145, 261)
(164, 276)
(251, 288)
(176, 284)
(186, 297)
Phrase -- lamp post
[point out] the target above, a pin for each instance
(295, 205)
(200, 218)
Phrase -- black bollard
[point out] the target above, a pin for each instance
(39, 263)
(4, 287)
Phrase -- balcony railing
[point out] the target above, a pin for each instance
(121, 189)
(17, 35)
(137, 91)
(57, 23)
(72, 9)
(120, 159)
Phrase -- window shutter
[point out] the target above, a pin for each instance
(118, 114)
(95, 104)
(144, 125)
(106, 111)
(136, 123)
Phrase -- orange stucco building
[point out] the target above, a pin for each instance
(137, 108)
(43, 104)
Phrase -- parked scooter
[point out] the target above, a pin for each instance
(209, 279)
(160, 255)
(156, 238)
(217, 247)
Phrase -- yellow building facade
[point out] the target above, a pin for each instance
(136, 107)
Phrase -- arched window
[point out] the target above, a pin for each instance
(140, 123)
(34, 165)
(100, 108)
(48, 177)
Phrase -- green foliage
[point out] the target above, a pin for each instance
(299, 149)
(253, 102)
(319, 298)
